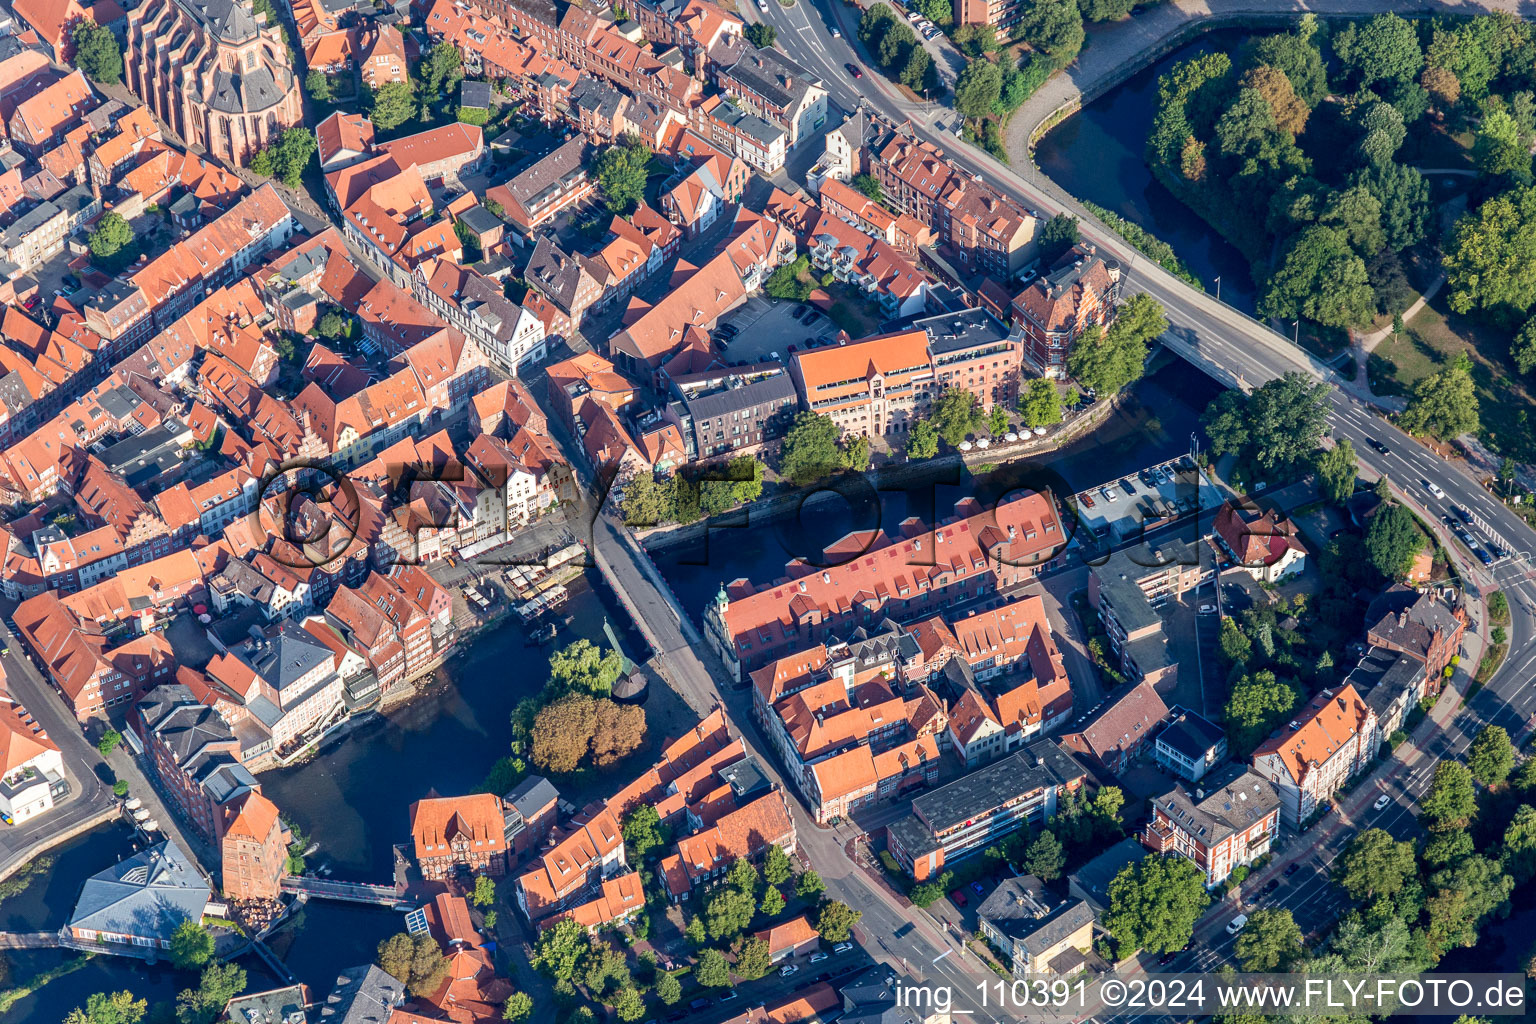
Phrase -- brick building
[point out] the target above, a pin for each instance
(1078, 292)
(464, 833)
(1231, 821)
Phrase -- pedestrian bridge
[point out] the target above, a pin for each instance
(347, 892)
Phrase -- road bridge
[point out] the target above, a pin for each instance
(309, 887)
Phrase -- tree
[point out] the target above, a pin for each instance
(218, 985)
(1336, 470)
(485, 891)
(1288, 112)
(790, 281)
(711, 970)
(109, 1008)
(1045, 858)
(629, 1005)
(557, 952)
(1374, 865)
(1447, 848)
(1285, 420)
(1491, 757)
(644, 832)
(1321, 278)
(517, 1008)
(562, 733)
(1482, 887)
(728, 913)
(743, 876)
(922, 441)
(1258, 703)
(978, 87)
(753, 960)
(621, 171)
(1247, 125)
(109, 741)
(1154, 904)
(773, 902)
(1296, 55)
(1041, 404)
(1519, 856)
(668, 989)
(644, 502)
(777, 867)
(1491, 258)
(761, 34)
(1357, 213)
(1234, 646)
(618, 730)
(97, 52)
(1271, 941)
(392, 106)
(191, 946)
(112, 242)
(1522, 349)
(418, 963)
(333, 324)
(1106, 10)
(696, 932)
(925, 894)
(870, 186)
(440, 71)
(1386, 47)
(1393, 540)
(1403, 194)
(835, 920)
(317, 86)
(976, 40)
(1451, 801)
(955, 415)
(1058, 235)
(1444, 404)
(1108, 360)
(809, 885)
(584, 667)
(811, 449)
(1054, 27)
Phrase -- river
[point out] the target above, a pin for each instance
(1157, 416)
(1097, 154)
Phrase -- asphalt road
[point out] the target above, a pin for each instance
(89, 796)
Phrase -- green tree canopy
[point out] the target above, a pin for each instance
(1444, 404)
(317, 86)
(1271, 941)
(557, 952)
(978, 87)
(1321, 278)
(754, 959)
(1336, 470)
(811, 449)
(1386, 47)
(922, 441)
(870, 186)
(809, 885)
(584, 667)
(835, 920)
(1054, 27)
(440, 71)
(1057, 236)
(1154, 904)
(668, 989)
(1108, 360)
(218, 984)
(1045, 858)
(1490, 260)
(1258, 703)
(1393, 540)
(712, 970)
(1040, 404)
(109, 1008)
(1519, 852)
(728, 913)
(761, 34)
(644, 832)
(97, 52)
(1403, 194)
(191, 946)
(777, 867)
(955, 414)
(1374, 865)
(1491, 757)
(1451, 801)
(621, 171)
(112, 242)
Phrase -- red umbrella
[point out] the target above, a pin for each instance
(199, 609)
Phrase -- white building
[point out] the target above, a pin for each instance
(31, 769)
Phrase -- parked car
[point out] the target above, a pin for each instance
(959, 897)
(1207, 609)
(1381, 802)
(788, 969)
(817, 958)
(978, 888)
(1273, 884)
(1291, 869)
(842, 947)
(836, 34)
(1236, 924)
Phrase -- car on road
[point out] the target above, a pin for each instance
(1291, 869)
(1168, 957)
(1483, 556)
(842, 947)
(1274, 883)
(1462, 513)
(1207, 609)
(959, 897)
(853, 69)
(1236, 924)
(1381, 802)
(836, 34)
(1433, 488)
(788, 969)
(1383, 449)
(817, 958)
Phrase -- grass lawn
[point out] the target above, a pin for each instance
(1433, 337)
(852, 312)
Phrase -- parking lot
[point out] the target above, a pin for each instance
(765, 329)
(1120, 508)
